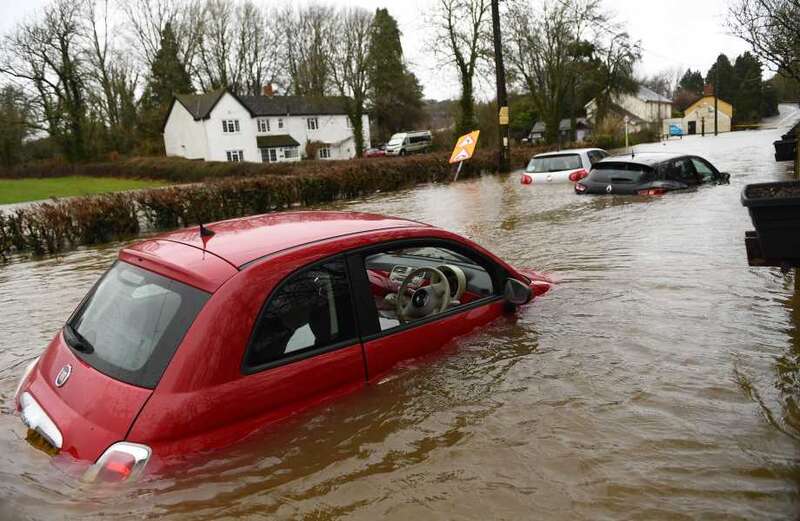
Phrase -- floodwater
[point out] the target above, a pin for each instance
(658, 380)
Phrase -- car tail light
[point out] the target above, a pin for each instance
(580, 187)
(122, 461)
(652, 191)
(526, 179)
(577, 175)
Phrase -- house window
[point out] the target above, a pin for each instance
(230, 126)
(325, 153)
(348, 122)
(263, 125)
(235, 155)
(280, 122)
(312, 123)
(269, 155)
(290, 152)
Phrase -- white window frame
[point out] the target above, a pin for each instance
(348, 122)
(270, 154)
(263, 125)
(235, 156)
(324, 153)
(312, 123)
(230, 126)
(280, 122)
(291, 152)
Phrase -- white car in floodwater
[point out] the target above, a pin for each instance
(562, 166)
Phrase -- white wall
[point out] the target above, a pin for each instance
(205, 139)
(219, 143)
(704, 110)
(183, 136)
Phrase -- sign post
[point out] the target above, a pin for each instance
(465, 147)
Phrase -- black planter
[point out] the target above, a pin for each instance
(775, 211)
(785, 149)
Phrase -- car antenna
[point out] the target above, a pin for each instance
(205, 235)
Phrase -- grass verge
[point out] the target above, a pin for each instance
(22, 190)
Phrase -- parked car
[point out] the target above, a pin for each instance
(376, 151)
(404, 143)
(561, 167)
(649, 173)
(193, 339)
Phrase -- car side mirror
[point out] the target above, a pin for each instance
(517, 292)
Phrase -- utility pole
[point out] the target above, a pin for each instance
(716, 98)
(504, 144)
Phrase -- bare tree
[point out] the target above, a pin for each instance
(113, 79)
(563, 46)
(47, 55)
(216, 59)
(462, 37)
(350, 67)
(307, 34)
(146, 19)
(257, 42)
(772, 28)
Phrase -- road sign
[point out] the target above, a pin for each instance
(465, 147)
(503, 116)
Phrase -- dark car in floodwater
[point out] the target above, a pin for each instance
(649, 173)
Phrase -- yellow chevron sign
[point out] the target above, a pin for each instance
(465, 147)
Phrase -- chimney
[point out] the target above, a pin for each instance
(708, 90)
(266, 90)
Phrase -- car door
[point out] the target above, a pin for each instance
(305, 342)
(382, 274)
(682, 171)
(705, 171)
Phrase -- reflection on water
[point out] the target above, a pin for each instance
(659, 379)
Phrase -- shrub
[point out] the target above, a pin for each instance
(54, 226)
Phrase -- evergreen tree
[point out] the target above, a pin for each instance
(395, 94)
(723, 76)
(168, 75)
(16, 127)
(748, 95)
(692, 81)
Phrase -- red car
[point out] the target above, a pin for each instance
(378, 151)
(194, 339)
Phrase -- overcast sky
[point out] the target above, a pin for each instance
(674, 34)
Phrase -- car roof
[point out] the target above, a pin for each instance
(643, 158)
(567, 151)
(243, 240)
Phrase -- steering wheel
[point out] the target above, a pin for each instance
(426, 300)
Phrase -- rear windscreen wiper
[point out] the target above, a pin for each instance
(76, 340)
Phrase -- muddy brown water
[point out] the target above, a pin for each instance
(658, 380)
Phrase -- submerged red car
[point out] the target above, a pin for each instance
(194, 339)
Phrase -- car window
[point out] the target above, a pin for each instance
(133, 321)
(608, 172)
(703, 169)
(409, 284)
(309, 311)
(595, 156)
(681, 170)
(554, 163)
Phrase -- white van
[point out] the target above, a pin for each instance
(404, 143)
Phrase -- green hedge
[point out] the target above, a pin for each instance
(55, 226)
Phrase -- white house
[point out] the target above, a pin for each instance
(221, 126)
(643, 107)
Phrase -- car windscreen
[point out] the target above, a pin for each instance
(132, 322)
(396, 139)
(619, 173)
(554, 163)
